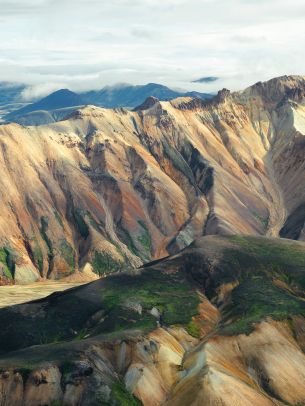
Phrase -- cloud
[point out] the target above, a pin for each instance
(206, 79)
(91, 43)
(36, 92)
(16, 7)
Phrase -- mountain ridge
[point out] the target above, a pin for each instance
(149, 182)
(60, 99)
(48, 109)
(176, 208)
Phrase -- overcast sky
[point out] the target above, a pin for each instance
(84, 44)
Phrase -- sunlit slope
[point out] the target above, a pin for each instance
(111, 188)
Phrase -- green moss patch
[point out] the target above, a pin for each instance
(140, 244)
(256, 263)
(37, 256)
(123, 303)
(104, 263)
(273, 258)
(145, 240)
(172, 295)
(126, 237)
(67, 252)
(97, 226)
(122, 397)
(79, 218)
(44, 221)
(193, 329)
(256, 299)
(6, 258)
(57, 403)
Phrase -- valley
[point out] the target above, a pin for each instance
(16, 294)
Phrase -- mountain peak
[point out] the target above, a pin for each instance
(148, 103)
(222, 95)
(59, 99)
(62, 92)
(277, 89)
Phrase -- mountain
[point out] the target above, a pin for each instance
(10, 92)
(60, 99)
(11, 97)
(109, 189)
(132, 96)
(221, 323)
(61, 103)
(40, 117)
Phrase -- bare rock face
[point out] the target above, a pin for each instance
(43, 386)
(148, 103)
(109, 188)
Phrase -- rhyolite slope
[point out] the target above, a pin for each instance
(222, 322)
(105, 189)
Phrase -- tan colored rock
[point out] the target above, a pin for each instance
(43, 386)
(244, 370)
(138, 185)
(11, 389)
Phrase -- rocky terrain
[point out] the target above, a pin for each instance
(221, 323)
(108, 189)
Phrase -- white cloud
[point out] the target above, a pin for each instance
(38, 91)
(90, 43)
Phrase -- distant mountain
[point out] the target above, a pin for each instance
(41, 117)
(11, 97)
(59, 104)
(132, 96)
(60, 99)
(10, 92)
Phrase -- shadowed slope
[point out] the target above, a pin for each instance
(223, 321)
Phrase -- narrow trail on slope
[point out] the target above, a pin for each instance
(277, 210)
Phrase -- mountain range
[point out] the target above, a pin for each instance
(189, 213)
(61, 103)
(10, 98)
(108, 187)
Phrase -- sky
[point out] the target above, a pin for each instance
(87, 44)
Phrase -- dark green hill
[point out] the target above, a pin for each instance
(267, 277)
